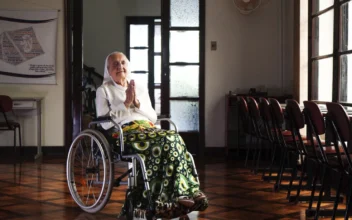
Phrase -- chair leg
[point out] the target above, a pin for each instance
(248, 149)
(20, 139)
(337, 197)
(14, 139)
(313, 188)
(258, 159)
(320, 194)
(254, 154)
(272, 160)
(281, 170)
(293, 176)
(348, 199)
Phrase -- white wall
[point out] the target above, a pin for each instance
(53, 103)
(248, 55)
(104, 26)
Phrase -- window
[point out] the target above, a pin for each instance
(330, 50)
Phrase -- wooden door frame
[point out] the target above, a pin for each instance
(73, 70)
(165, 9)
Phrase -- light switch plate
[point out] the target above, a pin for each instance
(213, 45)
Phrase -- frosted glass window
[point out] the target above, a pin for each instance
(157, 39)
(185, 114)
(346, 27)
(184, 46)
(157, 69)
(346, 78)
(184, 13)
(139, 60)
(322, 83)
(141, 78)
(319, 5)
(184, 81)
(138, 35)
(157, 94)
(323, 33)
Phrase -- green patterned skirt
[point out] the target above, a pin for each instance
(169, 169)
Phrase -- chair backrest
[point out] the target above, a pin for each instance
(276, 110)
(253, 108)
(341, 120)
(294, 112)
(264, 108)
(243, 107)
(5, 103)
(311, 109)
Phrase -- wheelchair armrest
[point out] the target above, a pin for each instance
(169, 120)
(102, 118)
(99, 120)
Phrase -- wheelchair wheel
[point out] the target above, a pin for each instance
(90, 170)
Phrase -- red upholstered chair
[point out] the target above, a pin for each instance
(247, 126)
(338, 120)
(284, 138)
(5, 122)
(261, 133)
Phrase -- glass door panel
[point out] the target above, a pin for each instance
(184, 81)
(186, 115)
(139, 60)
(138, 35)
(184, 13)
(184, 46)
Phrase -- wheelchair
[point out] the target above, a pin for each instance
(90, 170)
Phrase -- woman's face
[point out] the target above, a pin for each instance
(118, 68)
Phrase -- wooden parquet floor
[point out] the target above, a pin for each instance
(38, 190)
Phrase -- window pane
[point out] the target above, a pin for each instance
(157, 39)
(157, 69)
(323, 32)
(346, 78)
(138, 35)
(319, 5)
(184, 13)
(141, 78)
(346, 27)
(184, 46)
(139, 60)
(185, 114)
(184, 81)
(157, 94)
(322, 79)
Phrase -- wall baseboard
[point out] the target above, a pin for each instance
(32, 150)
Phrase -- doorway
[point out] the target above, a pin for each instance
(181, 56)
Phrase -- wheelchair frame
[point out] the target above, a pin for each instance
(108, 158)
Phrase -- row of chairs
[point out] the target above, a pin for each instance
(277, 128)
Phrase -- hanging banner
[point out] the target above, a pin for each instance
(28, 46)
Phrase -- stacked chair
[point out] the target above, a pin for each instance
(322, 157)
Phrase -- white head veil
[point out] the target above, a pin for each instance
(107, 76)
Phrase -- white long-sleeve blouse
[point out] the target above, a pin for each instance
(110, 99)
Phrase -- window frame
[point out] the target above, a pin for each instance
(336, 53)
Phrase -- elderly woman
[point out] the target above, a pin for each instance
(175, 191)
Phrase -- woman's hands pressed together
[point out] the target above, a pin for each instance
(131, 97)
